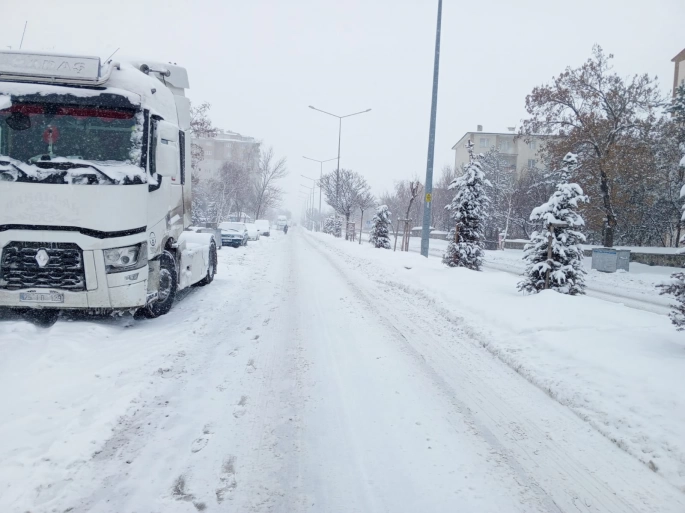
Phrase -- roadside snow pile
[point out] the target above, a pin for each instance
(620, 369)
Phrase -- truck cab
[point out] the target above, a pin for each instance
(95, 185)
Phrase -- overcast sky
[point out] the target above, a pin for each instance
(260, 63)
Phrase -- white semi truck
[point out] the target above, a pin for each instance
(95, 185)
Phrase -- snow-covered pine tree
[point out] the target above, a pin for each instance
(566, 273)
(469, 211)
(380, 235)
(328, 225)
(337, 226)
(676, 285)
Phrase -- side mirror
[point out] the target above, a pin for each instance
(167, 156)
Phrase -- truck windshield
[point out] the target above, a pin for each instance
(64, 144)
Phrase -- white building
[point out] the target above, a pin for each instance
(226, 146)
(679, 71)
(517, 151)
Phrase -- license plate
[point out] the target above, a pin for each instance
(41, 297)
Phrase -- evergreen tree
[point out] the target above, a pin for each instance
(469, 211)
(337, 226)
(676, 286)
(328, 225)
(380, 236)
(566, 273)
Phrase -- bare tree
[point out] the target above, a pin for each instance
(442, 197)
(343, 191)
(228, 193)
(366, 201)
(200, 126)
(502, 176)
(414, 190)
(600, 116)
(267, 194)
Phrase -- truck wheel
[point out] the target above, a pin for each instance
(43, 318)
(211, 269)
(168, 285)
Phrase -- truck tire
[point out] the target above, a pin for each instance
(211, 269)
(43, 318)
(168, 285)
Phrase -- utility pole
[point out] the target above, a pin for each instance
(431, 143)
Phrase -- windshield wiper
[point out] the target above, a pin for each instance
(65, 166)
(10, 163)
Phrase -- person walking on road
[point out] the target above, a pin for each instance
(285, 229)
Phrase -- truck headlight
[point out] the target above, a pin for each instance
(125, 259)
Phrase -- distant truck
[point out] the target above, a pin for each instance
(281, 222)
(95, 181)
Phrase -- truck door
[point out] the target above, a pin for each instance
(177, 183)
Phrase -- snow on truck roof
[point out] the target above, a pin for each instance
(25, 74)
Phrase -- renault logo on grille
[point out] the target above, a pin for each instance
(42, 258)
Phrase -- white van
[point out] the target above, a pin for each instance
(263, 226)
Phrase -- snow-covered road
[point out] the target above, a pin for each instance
(294, 383)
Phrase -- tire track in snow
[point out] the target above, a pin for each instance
(528, 443)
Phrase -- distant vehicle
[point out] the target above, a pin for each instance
(233, 234)
(252, 231)
(264, 227)
(281, 222)
(96, 154)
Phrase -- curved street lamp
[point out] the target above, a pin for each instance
(340, 118)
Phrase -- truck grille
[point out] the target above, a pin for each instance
(19, 267)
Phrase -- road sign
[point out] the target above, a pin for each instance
(429, 197)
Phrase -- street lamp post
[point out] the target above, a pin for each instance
(320, 178)
(310, 197)
(431, 142)
(306, 203)
(340, 118)
(313, 191)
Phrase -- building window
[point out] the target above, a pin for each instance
(505, 145)
(208, 153)
(484, 142)
(531, 145)
(532, 163)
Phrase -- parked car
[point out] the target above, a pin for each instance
(252, 231)
(216, 232)
(233, 234)
(264, 227)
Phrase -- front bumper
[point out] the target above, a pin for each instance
(127, 296)
(125, 290)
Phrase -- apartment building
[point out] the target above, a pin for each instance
(225, 147)
(516, 150)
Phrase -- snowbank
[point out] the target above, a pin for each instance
(620, 369)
